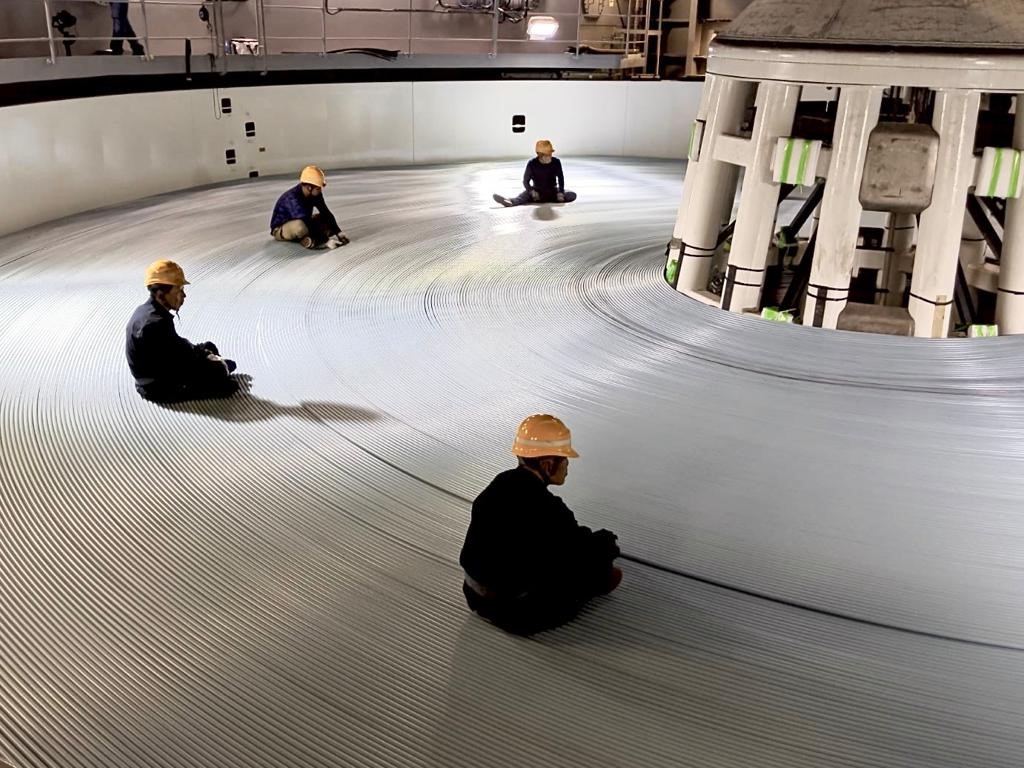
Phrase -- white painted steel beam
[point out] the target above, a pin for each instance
(829, 284)
(759, 198)
(899, 238)
(710, 184)
(938, 240)
(1010, 300)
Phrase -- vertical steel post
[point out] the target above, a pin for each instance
(494, 30)
(323, 29)
(49, 31)
(145, 30)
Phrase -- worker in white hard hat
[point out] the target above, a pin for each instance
(166, 367)
(543, 181)
(301, 214)
(528, 564)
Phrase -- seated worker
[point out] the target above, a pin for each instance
(166, 367)
(543, 181)
(294, 220)
(528, 564)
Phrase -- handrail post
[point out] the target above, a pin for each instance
(494, 30)
(147, 54)
(218, 26)
(323, 29)
(261, 33)
(629, 27)
(49, 32)
(579, 27)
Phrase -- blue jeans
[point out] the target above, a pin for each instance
(122, 28)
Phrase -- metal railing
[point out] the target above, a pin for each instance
(632, 40)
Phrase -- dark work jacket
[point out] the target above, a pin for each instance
(157, 356)
(521, 536)
(295, 205)
(546, 178)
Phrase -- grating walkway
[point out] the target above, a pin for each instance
(826, 529)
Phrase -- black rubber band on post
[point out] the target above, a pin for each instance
(697, 252)
(826, 289)
(929, 301)
(731, 282)
(820, 299)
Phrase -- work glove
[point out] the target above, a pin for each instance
(338, 240)
(229, 365)
(561, 197)
(607, 541)
(534, 195)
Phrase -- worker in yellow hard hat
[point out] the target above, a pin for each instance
(543, 181)
(301, 214)
(166, 367)
(528, 564)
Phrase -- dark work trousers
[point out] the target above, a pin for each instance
(527, 197)
(322, 227)
(123, 28)
(209, 380)
(553, 604)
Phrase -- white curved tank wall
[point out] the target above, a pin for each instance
(63, 157)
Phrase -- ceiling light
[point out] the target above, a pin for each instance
(541, 27)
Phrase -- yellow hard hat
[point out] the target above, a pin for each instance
(311, 174)
(165, 272)
(543, 435)
(544, 147)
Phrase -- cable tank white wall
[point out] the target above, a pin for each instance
(63, 157)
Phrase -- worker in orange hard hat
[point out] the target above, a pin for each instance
(543, 181)
(295, 219)
(166, 367)
(528, 564)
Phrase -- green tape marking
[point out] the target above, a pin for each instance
(801, 169)
(787, 157)
(777, 315)
(1014, 175)
(997, 167)
(671, 271)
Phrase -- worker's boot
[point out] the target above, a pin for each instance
(338, 240)
(614, 579)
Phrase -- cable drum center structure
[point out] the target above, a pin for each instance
(903, 123)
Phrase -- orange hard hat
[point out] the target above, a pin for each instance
(165, 272)
(311, 174)
(543, 435)
(544, 147)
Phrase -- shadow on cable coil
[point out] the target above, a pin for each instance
(246, 408)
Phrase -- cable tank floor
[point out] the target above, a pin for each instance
(824, 530)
